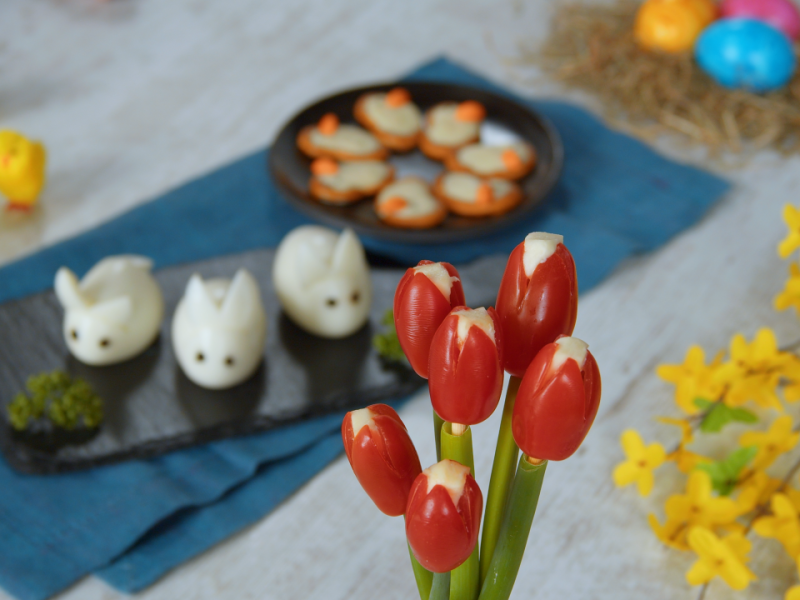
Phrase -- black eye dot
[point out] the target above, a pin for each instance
(105, 343)
(355, 297)
(229, 361)
(74, 334)
(200, 357)
(331, 302)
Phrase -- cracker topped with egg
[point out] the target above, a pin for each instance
(449, 126)
(510, 161)
(409, 203)
(349, 181)
(340, 141)
(470, 196)
(392, 117)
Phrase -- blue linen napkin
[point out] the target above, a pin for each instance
(616, 198)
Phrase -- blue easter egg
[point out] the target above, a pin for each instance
(746, 54)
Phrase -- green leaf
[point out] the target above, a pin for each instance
(721, 414)
(702, 403)
(725, 473)
(387, 344)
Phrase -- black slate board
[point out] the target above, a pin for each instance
(152, 408)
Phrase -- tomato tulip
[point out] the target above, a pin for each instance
(557, 400)
(382, 455)
(466, 366)
(443, 516)
(537, 300)
(424, 297)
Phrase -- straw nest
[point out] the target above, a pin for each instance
(593, 48)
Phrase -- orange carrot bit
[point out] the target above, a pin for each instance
(328, 124)
(511, 159)
(470, 111)
(484, 195)
(324, 166)
(392, 205)
(398, 97)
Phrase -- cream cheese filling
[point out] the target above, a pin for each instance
(473, 317)
(464, 186)
(484, 160)
(439, 276)
(538, 247)
(444, 129)
(401, 120)
(347, 138)
(362, 175)
(419, 200)
(449, 474)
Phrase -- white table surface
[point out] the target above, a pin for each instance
(133, 97)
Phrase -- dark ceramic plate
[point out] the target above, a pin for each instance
(152, 408)
(506, 121)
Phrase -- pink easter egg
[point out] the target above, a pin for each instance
(781, 14)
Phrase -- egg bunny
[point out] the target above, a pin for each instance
(219, 330)
(114, 313)
(322, 281)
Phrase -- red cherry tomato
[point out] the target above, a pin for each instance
(536, 307)
(466, 373)
(420, 305)
(443, 516)
(557, 401)
(382, 456)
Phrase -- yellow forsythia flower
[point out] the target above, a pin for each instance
(757, 490)
(698, 506)
(772, 443)
(642, 461)
(687, 434)
(790, 296)
(791, 242)
(693, 379)
(755, 370)
(725, 558)
(672, 533)
(783, 525)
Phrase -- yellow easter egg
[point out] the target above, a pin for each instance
(672, 25)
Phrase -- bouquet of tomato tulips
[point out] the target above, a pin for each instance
(551, 402)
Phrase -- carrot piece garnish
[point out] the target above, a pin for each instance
(324, 166)
(398, 97)
(328, 124)
(470, 111)
(392, 205)
(484, 194)
(511, 159)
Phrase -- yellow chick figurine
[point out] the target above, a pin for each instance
(21, 170)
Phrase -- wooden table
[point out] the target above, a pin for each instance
(133, 97)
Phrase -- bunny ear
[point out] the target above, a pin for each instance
(116, 311)
(242, 300)
(67, 291)
(310, 266)
(201, 307)
(348, 254)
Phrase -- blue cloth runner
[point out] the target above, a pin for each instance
(131, 523)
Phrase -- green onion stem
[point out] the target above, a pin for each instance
(514, 534)
(441, 586)
(437, 430)
(505, 461)
(464, 583)
(422, 575)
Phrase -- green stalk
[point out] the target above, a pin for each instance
(437, 431)
(465, 580)
(422, 575)
(441, 586)
(505, 461)
(514, 534)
